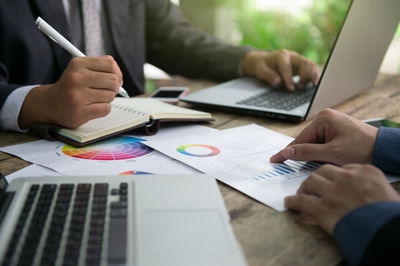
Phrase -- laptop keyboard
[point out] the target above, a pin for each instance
(67, 224)
(279, 99)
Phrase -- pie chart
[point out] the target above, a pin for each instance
(115, 148)
(135, 173)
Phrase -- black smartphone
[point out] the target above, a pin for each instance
(169, 94)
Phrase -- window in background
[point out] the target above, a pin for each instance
(215, 17)
(391, 62)
(287, 6)
(306, 26)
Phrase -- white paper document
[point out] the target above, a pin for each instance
(239, 157)
(32, 171)
(180, 129)
(118, 155)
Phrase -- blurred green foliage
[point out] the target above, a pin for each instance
(235, 3)
(397, 33)
(149, 86)
(310, 32)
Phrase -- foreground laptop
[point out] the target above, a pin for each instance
(352, 66)
(116, 220)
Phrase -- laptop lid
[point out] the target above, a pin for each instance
(358, 52)
(352, 66)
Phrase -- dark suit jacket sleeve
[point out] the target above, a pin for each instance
(384, 248)
(387, 150)
(367, 235)
(178, 48)
(27, 56)
(5, 88)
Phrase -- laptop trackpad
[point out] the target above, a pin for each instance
(185, 237)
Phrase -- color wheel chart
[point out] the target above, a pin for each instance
(115, 148)
(135, 173)
(288, 169)
(198, 150)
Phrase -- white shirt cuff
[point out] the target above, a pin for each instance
(10, 111)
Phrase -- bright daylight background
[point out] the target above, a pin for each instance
(306, 26)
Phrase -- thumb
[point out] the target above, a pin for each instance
(302, 152)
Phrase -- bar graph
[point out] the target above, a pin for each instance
(288, 169)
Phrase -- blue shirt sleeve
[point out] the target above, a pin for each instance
(354, 231)
(387, 150)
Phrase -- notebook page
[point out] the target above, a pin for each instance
(160, 110)
(122, 116)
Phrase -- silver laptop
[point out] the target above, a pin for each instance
(116, 220)
(352, 66)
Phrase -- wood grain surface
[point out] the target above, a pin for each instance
(268, 237)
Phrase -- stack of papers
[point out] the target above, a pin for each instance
(238, 157)
(119, 155)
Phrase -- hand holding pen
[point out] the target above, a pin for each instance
(49, 31)
(83, 91)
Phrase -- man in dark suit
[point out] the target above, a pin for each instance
(351, 201)
(41, 83)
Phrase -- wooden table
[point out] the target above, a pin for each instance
(266, 236)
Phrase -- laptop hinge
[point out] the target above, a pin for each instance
(3, 184)
(5, 201)
(5, 197)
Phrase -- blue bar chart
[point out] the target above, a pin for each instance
(288, 169)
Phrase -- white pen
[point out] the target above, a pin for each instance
(50, 32)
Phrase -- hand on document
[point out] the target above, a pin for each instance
(332, 137)
(279, 67)
(331, 192)
(83, 92)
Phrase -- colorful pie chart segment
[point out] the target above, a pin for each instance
(197, 150)
(115, 148)
(135, 173)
